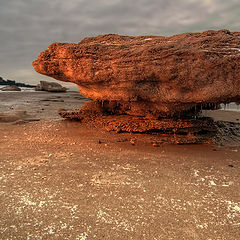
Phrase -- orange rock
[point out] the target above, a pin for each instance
(162, 76)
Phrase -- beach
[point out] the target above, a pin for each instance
(60, 179)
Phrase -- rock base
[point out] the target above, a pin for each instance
(173, 130)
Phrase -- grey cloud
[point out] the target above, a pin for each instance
(28, 27)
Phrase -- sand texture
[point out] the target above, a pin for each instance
(61, 179)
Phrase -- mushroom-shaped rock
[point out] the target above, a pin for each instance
(162, 76)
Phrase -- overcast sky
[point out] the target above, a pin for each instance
(27, 27)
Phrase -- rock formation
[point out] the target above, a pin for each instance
(50, 87)
(10, 88)
(149, 76)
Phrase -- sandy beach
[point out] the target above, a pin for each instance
(63, 180)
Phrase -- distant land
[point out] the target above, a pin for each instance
(12, 82)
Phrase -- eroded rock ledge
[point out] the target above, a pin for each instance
(149, 77)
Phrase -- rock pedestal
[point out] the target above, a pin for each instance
(150, 77)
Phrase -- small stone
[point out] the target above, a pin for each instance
(212, 183)
(156, 144)
(132, 141)
(237, 208)
(122, 140)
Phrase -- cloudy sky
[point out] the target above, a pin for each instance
(28, 26)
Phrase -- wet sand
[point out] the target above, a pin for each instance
(62, 180)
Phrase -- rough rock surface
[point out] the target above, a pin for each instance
(158, 75)
(183, 131)
(10, 88)
(50, 87)
(149, 84)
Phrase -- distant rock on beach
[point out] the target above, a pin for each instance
(11, 88)
(50, 87)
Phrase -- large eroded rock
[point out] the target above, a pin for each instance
(149, 74)
(50, 87)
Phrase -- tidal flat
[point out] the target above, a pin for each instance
(60, 179)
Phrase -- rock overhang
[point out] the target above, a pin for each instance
(167, 75)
